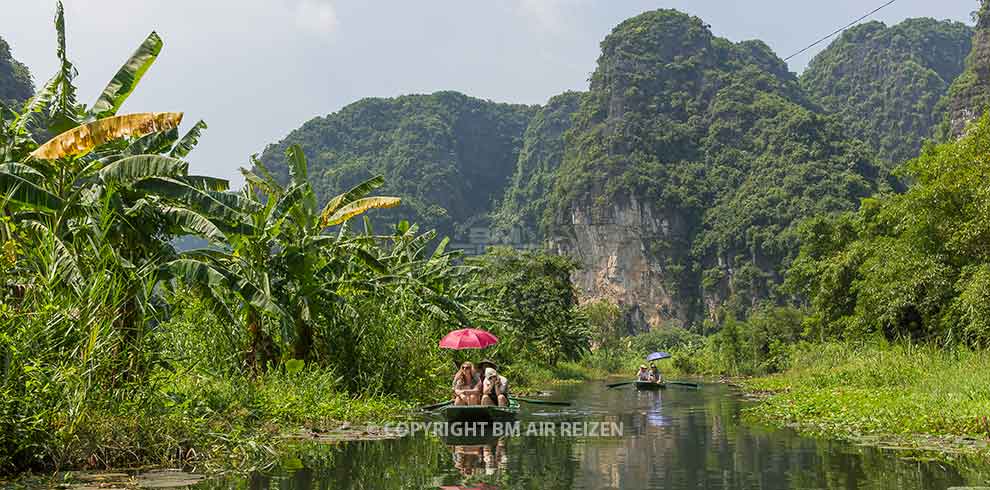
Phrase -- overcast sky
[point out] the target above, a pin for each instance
(256, 69)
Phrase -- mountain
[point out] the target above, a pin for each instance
(15, 80)
(970, 93)
(525, 204)
(885, 83)
(679, 178)
(447, 155)
(689, 164)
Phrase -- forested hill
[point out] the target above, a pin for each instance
(690, 162)
(679, 178)
(885, 83)
(15, 80)
(449, 156)
(526, 199)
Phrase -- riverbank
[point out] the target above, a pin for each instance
(894, 395)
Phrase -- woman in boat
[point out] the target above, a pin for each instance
(467, 385)
(655, 375)
(643, 374)
(495, 389)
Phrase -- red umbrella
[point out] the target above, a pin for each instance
(468, 338)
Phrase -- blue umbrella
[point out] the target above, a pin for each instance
(656, 356)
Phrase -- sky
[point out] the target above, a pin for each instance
(256, 69)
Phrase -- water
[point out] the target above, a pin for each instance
(675, 439)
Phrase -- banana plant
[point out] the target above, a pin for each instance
(286, 264)
(116, 183)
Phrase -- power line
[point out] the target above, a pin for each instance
(816, 43)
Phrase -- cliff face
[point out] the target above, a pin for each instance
(690, 162)
(15, 80)
(613, 244)
(970, 93)
(885, 83)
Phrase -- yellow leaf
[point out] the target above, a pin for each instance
(357, 207)
(81, 140)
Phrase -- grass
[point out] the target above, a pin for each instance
(845, 390)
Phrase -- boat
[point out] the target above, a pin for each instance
(480, 413)
(650, 385)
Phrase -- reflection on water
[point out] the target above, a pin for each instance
(674, 439)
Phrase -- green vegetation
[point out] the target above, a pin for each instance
(317, 300)
(526, 200)
(719, 139)
(847, 390)
(15, 80)
(912, 265)
(917, 60)
(118, 349)
(448, 156)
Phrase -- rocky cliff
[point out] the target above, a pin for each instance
(691, 160)
(970, 93)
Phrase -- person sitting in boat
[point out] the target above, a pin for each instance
(655, 375)
(467, 385)
(643, 374)
(495, 389)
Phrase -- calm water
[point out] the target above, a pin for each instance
(675, 439)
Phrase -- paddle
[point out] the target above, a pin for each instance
(616, 385)
(436, 405)
(542, 402)
(684, 383)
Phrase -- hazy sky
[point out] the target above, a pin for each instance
(256, 69)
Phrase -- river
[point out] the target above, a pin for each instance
(679, 438)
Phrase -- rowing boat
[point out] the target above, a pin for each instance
(650, 385)
(480, 413)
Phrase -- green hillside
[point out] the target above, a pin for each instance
(15, 80)
(885, 83)
(526, 199)
(717, 136)
(449, 156)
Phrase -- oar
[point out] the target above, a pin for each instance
(616, 385)
(684, 383)
(436, 405)
(542, 402)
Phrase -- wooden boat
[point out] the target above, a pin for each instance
(650, 385)
(480, 413)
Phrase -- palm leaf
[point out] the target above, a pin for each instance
(196, 273)
(206, 182)
(285, 203)
(62, 113)
(197, 199)
(356, 192)
(132, 169)
(192, 222)
(126, 79)
(357, 207)
(83, 139)
(21, 191)
(153, 143)
(297, 164)
(188, 141)
(23, 171)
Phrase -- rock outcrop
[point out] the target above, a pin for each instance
(969, 95)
